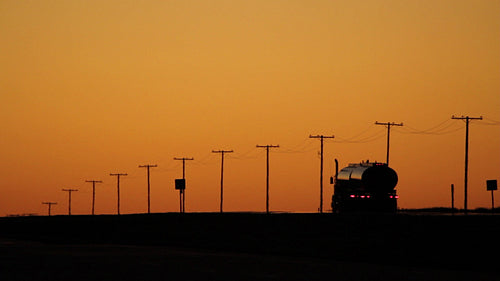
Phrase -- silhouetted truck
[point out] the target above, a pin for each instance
(365, 187)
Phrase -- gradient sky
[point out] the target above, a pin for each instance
(89, 88)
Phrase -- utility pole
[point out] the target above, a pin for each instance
(69, 199)
(222, 152)
(148, 166)
(388, 124)
(182, 192)
(267, 172)
(93, 192)
(50, 205)
(118, 175)
(467, 120)
(492, 202)
(452, 198)
(321, 138)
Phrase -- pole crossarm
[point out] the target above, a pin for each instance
(388, 125)
(467, 120)
(321, 138)
(267, 147)
(148, 166)
(222, 152)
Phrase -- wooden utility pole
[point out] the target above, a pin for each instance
(148, 166)
(69, 199)
(388, 124)
(453, 198)
(321, 138)
(182, 192)
(222, 152)
(50, 205)
(267, 172)
(492, 202)
(467, 120)
(118, 175)
(93, 192)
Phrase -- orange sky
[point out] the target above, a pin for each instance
(89, 88)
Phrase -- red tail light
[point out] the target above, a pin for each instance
(360, 196)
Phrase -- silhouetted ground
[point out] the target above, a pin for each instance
(245, 246)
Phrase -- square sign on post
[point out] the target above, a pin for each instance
(491, 185)
(180, 184)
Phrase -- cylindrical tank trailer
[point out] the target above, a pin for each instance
(366, 186)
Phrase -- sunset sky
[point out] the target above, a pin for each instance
(89, 88)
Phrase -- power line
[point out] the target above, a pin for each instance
(69, 199)
(388, 125)
(442, 128)
(93, 192)
(222, 152)
(49, 205)
(249, 154)
(490, 122)
(321, 138)
(182, 192)
(355, 136)
(148, 166)
(467, 120)
(359, 138)
(267, 172)
(429, 131)
(302, 147)
(118, 175)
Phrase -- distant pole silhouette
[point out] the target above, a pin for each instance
(321, 138)
(388, 124)
(118, 175)
(452, 198)
(222, 152)
(267, 172)
(93, 192)
(69, 199)
(182, 192)
(492, 202)
(49, 205)
(147, 168)
(467, 120)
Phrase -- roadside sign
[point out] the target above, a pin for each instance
(491, 185)
(180, 184)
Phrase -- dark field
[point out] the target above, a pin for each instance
(245, 246)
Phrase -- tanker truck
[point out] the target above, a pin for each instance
(364, 187)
